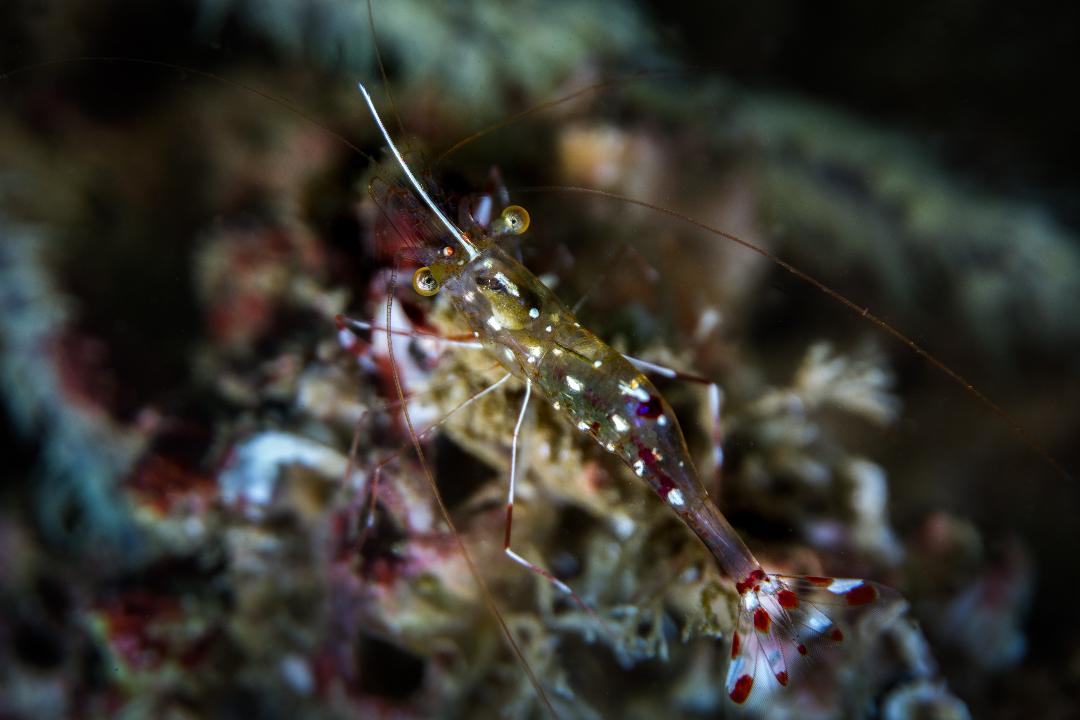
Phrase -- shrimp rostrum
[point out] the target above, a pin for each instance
(782, 620)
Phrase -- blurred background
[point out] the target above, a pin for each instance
(181, 220)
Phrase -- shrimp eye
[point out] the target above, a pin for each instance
(448, 251)
(516, 219)
(424, 282)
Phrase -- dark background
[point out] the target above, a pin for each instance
(987, 85)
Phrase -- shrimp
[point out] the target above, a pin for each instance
(537, 339)
(766, 646)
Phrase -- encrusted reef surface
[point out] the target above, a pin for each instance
(191, 440)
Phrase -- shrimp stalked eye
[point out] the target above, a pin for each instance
(515, 219)
(424, 283)
(448, 251)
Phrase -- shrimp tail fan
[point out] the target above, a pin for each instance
(787, 622)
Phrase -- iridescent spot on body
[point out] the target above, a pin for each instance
(650, 408)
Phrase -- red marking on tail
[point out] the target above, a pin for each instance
(861, 595)
(780, 616)
(741, 691)
(750, 580)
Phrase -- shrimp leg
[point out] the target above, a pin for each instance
(373, 487)
(510, 553)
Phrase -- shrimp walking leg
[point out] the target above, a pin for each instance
(533, 567)
(373, 486)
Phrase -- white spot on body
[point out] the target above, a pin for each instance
(639, 467)
(508, 284)
(817, 621)
(470, 296)
(534, 313)
(574, 384)
(597, 363)
(675, 498)
(547, 329)
(583, 426)
(634, 390)
(556, 405)
(619, 423)
(494, 323)
(839, 586)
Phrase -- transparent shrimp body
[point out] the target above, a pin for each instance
(781, 620)
(537, 339)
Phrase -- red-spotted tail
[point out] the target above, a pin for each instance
(785, 621)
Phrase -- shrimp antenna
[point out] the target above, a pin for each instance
(459, 236)
(1015, 425)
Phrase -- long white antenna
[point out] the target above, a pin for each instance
(454, 230)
